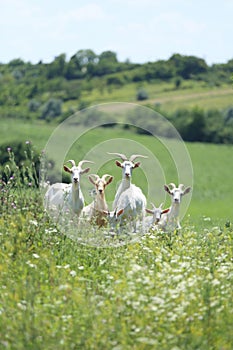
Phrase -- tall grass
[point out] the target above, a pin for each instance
(165, 291)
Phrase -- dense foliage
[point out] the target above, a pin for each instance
(53, 91)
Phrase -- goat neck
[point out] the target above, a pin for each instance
(125, 183)
(174, 209)
(100, 202)
(76, 195)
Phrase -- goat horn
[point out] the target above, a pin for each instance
(161, 205)
(121, 155)
(134, 156)
(154, 207)
(181, 186)
(104, 176)
(172, 184)
(71, 161)
(84, 161)
(95, 175)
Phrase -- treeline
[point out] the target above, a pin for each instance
(40, 91)
(85, 64)
(195, 124)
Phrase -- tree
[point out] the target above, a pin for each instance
(178, 82)
(16, 62)
(195, 130)
(107, 64)
(186, 66)
(84, 57)
(80, 64)
(110, 56)
(73, 69)
(57, 67)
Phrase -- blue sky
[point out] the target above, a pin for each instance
(139, 30)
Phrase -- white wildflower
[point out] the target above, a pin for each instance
(215, 282)
(33, 222)
(31, 265)
(64, 287)
(73, 273)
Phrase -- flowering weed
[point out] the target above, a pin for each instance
(166, 291)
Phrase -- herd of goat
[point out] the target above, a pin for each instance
(129, 205)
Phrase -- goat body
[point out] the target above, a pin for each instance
(154, 219)
(129, 196)
(94, 211)
(133, 201)
(54, 196)
(170, 221)
(113, 218)
(68, 197)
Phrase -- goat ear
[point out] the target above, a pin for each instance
(84, 171)
(109, 180)
(165, 211)
(118, 163)
(136, 165)
(149, 211)
(120, 212)
(167, 189)
(91, 180)
(68, 170)
(187, 190)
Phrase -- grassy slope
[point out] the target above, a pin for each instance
(191, 93)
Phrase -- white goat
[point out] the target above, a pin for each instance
(170, 220)
(157, 213)
(68, 197)
(94, 211)
(113, 218)
(129, 196)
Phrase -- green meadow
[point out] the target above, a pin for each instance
(165, 291)
(211, 164)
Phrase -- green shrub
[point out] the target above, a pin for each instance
(142, 95)
(51, 109)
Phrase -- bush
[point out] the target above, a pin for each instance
(33, 105)
(142, 95)
(51, 109)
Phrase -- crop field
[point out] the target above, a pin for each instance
(163, 291)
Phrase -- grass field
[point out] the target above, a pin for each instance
(169, 99)
(165, 291)
(163, 95)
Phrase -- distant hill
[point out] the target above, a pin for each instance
(189, 92)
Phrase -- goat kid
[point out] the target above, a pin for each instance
(151, 221)
(94, 211)
(113, 218)
(171, 219)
